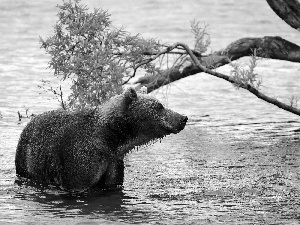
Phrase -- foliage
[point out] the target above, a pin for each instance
(294, 101)
(246, 75)
(97, 57)
(202, 38)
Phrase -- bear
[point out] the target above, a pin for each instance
(79, 150)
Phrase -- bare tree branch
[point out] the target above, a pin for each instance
(248, 87)
(267, 47)
(148, 60)
(288, 10)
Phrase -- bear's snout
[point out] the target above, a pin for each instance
(179, 126)
(184, 119)
(183, 122)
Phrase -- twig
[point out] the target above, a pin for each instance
(61, 98)
(150, 59)
(152, 53)
(248, 87)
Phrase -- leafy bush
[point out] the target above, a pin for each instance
(86, 49)
(244, 76)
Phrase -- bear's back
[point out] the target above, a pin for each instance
(43, 139)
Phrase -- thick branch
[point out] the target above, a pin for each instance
(244, 86)
(288, 10)
(241, 49)
(267, 47)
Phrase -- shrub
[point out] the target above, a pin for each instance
(97, 57)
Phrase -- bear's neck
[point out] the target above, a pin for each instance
(119, 132)
(132, 143)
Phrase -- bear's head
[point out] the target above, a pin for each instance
(152, 116)
(142, 119)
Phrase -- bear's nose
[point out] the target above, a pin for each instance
(184, 119)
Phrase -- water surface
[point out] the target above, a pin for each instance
(237, 161)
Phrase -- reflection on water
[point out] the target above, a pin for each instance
(229, 166)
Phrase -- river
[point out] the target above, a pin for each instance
(236, 162)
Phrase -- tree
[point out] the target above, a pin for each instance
(76, 48)
(95, 56)
(266, 47)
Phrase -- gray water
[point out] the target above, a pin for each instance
(237, 161)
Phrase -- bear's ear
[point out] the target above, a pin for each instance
(130, 95)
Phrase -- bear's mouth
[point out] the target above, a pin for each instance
(177, 129)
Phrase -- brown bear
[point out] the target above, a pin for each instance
(80, 150)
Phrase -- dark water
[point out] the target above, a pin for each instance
(237, 161)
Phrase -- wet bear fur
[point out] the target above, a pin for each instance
(79, 150)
